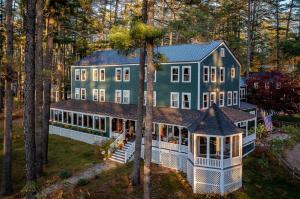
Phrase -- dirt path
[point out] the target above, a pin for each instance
(293, 156)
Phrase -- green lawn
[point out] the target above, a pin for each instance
(64, 154)
(262, 179)
(295, 118)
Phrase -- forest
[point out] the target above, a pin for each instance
(41, 39)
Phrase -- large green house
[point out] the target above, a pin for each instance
(200, 126)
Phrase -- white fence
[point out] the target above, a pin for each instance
(249, 138)
(76, 135)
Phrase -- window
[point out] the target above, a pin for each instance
(235, 98)
(118, 74)
(174, 74)
(201, 146)
(174, 100)
(267, 85)
(102, 75)
(205, 100)
(126, 96)
(75, 119)
(232, 72)
(99, 123)
(146, 75)
(95, 75)
(186, 101)
(278, 85)
(206, 74)
(83, 74)
(255, 85)
(85, 120)
(154, 98)
(90, 121)
(213, 73)
(222, 74)
(243, 93)
(83, 94)
(213, 98)
(102, 95)
(118, 94)
(77, 93)
(229, 98)
(222, 52)
(214, 147)
(77, 74)
(126, 74)
(227, 147)
(186, 74)
(221, 99)
(235, 146)
(95, 94)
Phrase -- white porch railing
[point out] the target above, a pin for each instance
(129, 152)
(117, 140)
(249, 138)
(208, 162)
(232, 161)
(169, 146)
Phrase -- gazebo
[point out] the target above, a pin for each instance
(215, 154)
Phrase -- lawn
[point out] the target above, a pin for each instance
(262, 178)
(64, 154)
(294, 118)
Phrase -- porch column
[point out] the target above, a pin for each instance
(222, 152)
(247, 129)
(240, 145)
(93, 121)
(179, 141)
(62, 117)
(208, 148)
(194, 141)
(110, 127)
(159, 129)
(124, 128)
(231, 146)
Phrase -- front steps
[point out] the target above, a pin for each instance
(119, 154)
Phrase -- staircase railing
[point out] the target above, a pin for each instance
(129, 151)
(117, 140)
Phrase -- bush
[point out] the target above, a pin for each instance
(261, 130)
(64, 174)
(103, 149)
(82, 182)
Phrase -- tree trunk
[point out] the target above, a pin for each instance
(116, 11)
(289, 20)
(29, 111)
(39, 86)
(6, 186)
(149, 105)
(277, 34)
(47, 88)
(249, 39)
(136, 175)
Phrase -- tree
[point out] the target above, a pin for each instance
(39, 86)
(6, 185)
(29, 111)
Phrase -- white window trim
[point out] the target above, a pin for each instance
(124, 69)
(222, 52)
(101, 69)
(229, 104)
(95, 91)
(77, 70)
(145, 100)
(172, 67)
(100, 95)
(207, 74)
(82, 89)
(190, 74)
(126, 91)
(208, 100)
(232, 74)
(237, 97)
(118, 91)
(78, 90)
(174, 93)
(97, 76)
(82, 75)
(182, 100)
(222, 69)
(116, 74)
(211, 79)
(146, 75)
(223, 101)
(215, 94)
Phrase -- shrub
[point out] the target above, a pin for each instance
(64, 174)
(82, 182)
(103, 149)
(261, 130)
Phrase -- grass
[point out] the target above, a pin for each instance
(262, 178)
(294, 118)
(64, 155)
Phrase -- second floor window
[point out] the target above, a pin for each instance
(221, 99)
(102, 74)
(186, 74)
(205, 100)
(232, 72)
(126, 73)
(118, 96)
(102, 95)
(154, 98)
(186, 100)
(174, 100)
(126, 97)
(83, 94)
(235, 98)
(77, 93)
(77, 74)
(118, 74)
(229, 98)
(222, 74)
(213, 98)
(206, 74)
(83, 75)
(95, 74)
(174, 74)
(95, 94)
(213, 74)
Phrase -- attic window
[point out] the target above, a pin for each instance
(222, 52)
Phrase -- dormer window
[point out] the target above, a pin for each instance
(232, 72)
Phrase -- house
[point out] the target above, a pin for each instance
(200, 127)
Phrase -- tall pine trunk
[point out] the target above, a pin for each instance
(249, 39)
(29, 108)
(47, 87)
(149, 105)
(136, 175)
(39, 86)
(6, 185)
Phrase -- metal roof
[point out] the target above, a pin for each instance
(174, 53)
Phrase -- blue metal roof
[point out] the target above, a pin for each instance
(175, 53)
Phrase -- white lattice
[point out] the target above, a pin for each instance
(205, 188)
(232, 187)
(208, 176)
(155, 156)
(183, 166)
(190, 173)
(233, 175)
